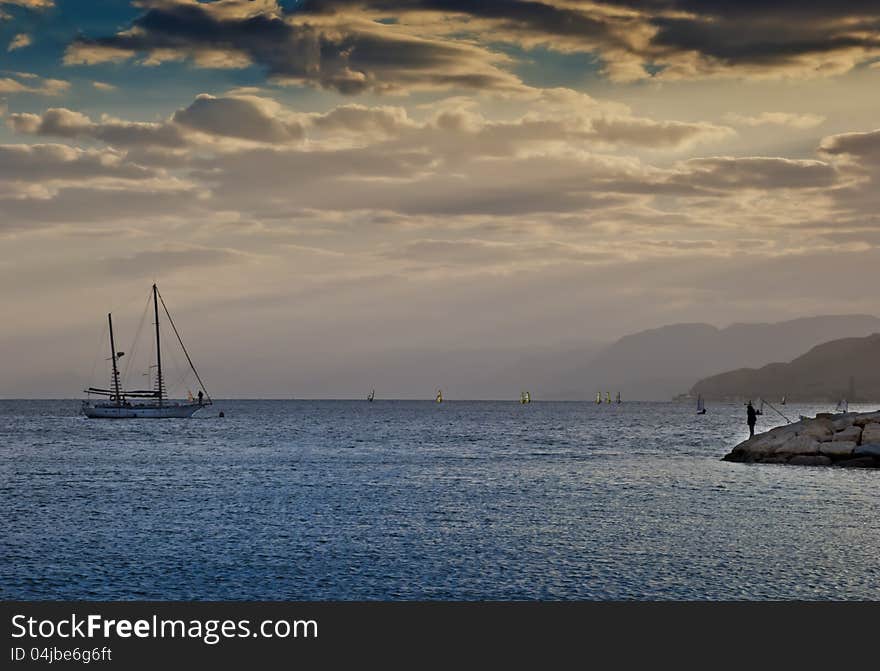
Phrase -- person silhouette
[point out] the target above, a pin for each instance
(201, 396)
(751, 417)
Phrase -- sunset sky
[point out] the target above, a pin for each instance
(316, 183)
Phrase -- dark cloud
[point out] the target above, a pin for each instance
(344, 45)
(678, 38)
(350, 57)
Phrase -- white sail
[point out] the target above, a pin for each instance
(701, 406)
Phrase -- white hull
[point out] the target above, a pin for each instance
(111, 411)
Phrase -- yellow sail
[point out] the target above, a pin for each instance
(439, 398)
(608, 397)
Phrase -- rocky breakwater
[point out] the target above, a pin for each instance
(830, 439)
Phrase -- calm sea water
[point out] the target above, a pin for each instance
(301, 500)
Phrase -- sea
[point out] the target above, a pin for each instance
(415, 500)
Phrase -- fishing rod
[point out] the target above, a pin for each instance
(777, 412)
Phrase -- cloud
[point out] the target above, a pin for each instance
(351, 57)
(862, 148)
(103, 86)
(759, 172)
(169, 259)
(791, 119)
(45, 162)
(655, 134)
(475, 252)
(19, 42)
(30, 4)
(241, 118)
(345, 45)
(65, 123)
(666, 39)
(249, 118)
(25, 82)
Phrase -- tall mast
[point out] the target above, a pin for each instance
(113, 359)
(158, 346)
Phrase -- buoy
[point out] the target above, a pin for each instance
(222, 414)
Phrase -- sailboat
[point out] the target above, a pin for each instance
(782, 402)
(760, 409)
(525, 397)
(439, 398)
(617, 398)
(598, 397)
(608, 397)
(156, 404)
(842, 405)
(701, 405)
(371, 396)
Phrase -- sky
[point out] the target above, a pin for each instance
(319, 184)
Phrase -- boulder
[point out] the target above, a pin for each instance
(837, 449)
(844, 422)
(775, 459)
(786, 429)
(819, 430)
(851, 440)
(871, 433)
(858, 462)
(851, 434)
(804, 445)
(809, 460)
(760, 446)
(867, 450)
(867, 418)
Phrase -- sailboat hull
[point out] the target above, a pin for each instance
(169, 411)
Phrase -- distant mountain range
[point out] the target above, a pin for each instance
(846, 368)
(661, 363)
(657, 364)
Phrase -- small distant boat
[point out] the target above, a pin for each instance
(782, 402)
(371, 396)
(701, 405)
(157, 404)
(598, 397)
(525, 397)
(439, 397)
(608, 397)
(760, 409)
(617, 399)
(842, 405)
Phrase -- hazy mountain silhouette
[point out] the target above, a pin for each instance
(660, 363)
(845, 368)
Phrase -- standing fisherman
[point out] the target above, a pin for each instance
(751, 417)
